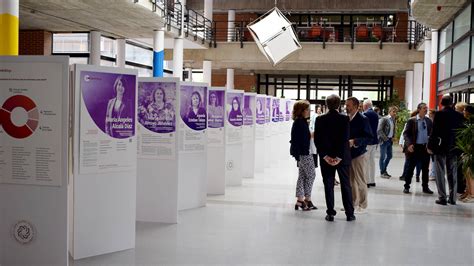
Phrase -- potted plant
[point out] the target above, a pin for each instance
(465, 143)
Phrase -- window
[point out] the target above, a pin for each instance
(78, 60)
(462, 23)
(446, 37)
(444, 71)
(108, 47)
(461, 57)
(291, 94)
(142, 72)
(107, 63)
(472, 53)
(70, 43)
(459, 82)
(138, 55)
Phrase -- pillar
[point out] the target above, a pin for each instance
(230, 79)
(95, 48)
(121, 52)
(417, 84)
(409, 89)
(433, 71)
(208, 9)
(178, 49)
(9, 27)
(158, 52)
(231, 25)
(207, 72)
(426, 72)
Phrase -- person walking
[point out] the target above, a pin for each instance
(385, 133)
(442, 144)
(372, 145)
(360, 134)
(416, 134)
(300, 149)
(331, 134)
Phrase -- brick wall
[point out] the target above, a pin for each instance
(221, 19)
(241, 82)
(35, 42)
(399, 87)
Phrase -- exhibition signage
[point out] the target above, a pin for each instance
(107, 122)
(268, 105)
(248, 116)
(30, 123)
(193, 118)
(260, 117)
(156, 113)
(275, 110)
(235, 117)
(215, 116)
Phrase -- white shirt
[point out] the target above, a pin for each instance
(392, 126)
(312, 121)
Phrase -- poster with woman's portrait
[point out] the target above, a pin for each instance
(249, 108)
(215, 109)
(107, 122)
(260, 110)
(288, 110)
(235, 118)
(156, 113)
(193, 112)
(268, 104)
(275, 109)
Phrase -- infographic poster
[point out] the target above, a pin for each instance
(215, 117)
(193, 118)
(107, 122)
(235, 118)
(156, 113)
(260, 117)
(31, 100)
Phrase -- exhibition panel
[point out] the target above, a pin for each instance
(192, 145)
(268, 130)
(105, 149)
(34, 118)
(157, 166)
(249, 135)
(234, 137)
(216, 139)
(260, 133)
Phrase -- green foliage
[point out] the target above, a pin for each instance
(402, 117)
(465, 143)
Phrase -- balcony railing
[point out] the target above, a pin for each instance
(411, 33)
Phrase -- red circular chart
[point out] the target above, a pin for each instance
(24, 131)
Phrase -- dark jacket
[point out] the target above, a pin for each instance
(374, 123)
(361, 132)
(446, 123)
(411, 131)
(300, 138)
(331, 136)
(383, 128)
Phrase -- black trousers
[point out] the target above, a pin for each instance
(420, 155)
(329, 172)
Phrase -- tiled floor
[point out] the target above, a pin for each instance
(256, 224)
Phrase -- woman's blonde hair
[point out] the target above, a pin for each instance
(298, 109)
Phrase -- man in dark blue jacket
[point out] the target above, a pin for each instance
(372, 145)
(331, 136)
(360, 135)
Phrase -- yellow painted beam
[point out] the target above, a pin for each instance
(9, 30)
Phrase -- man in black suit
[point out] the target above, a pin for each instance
(443, 144)
(416, 134)
(331, 136)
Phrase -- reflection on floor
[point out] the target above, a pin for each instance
(256, 224)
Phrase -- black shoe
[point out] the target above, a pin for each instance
(351, 218)
(387, 174)
(302, 205)
(329, 218)
(310, 205)
(402, 178)
(441, 202)
(452, 202)
(427, 191)
(418, 179)
(406, 191)
(370, 185)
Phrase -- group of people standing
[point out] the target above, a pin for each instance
(346, 144)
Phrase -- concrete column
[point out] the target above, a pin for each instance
(427, 72)
(178, 58)
(120, 52)
(158, 52)
(231, 25)
(95, 48)
(409, 89)
(230, 79)
(9, 26)
(190, 73)
(417, 84)
(433, 71)
(207, 71)
(208, 9)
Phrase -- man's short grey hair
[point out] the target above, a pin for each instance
(368, 103)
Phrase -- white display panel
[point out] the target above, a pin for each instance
(260, 133)
(234, 137)
(157, 173)
(268, 131)
(156, 114)
(249, 114)
(34, 211)
(216, 140)
(108, 194)
(107, 122)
